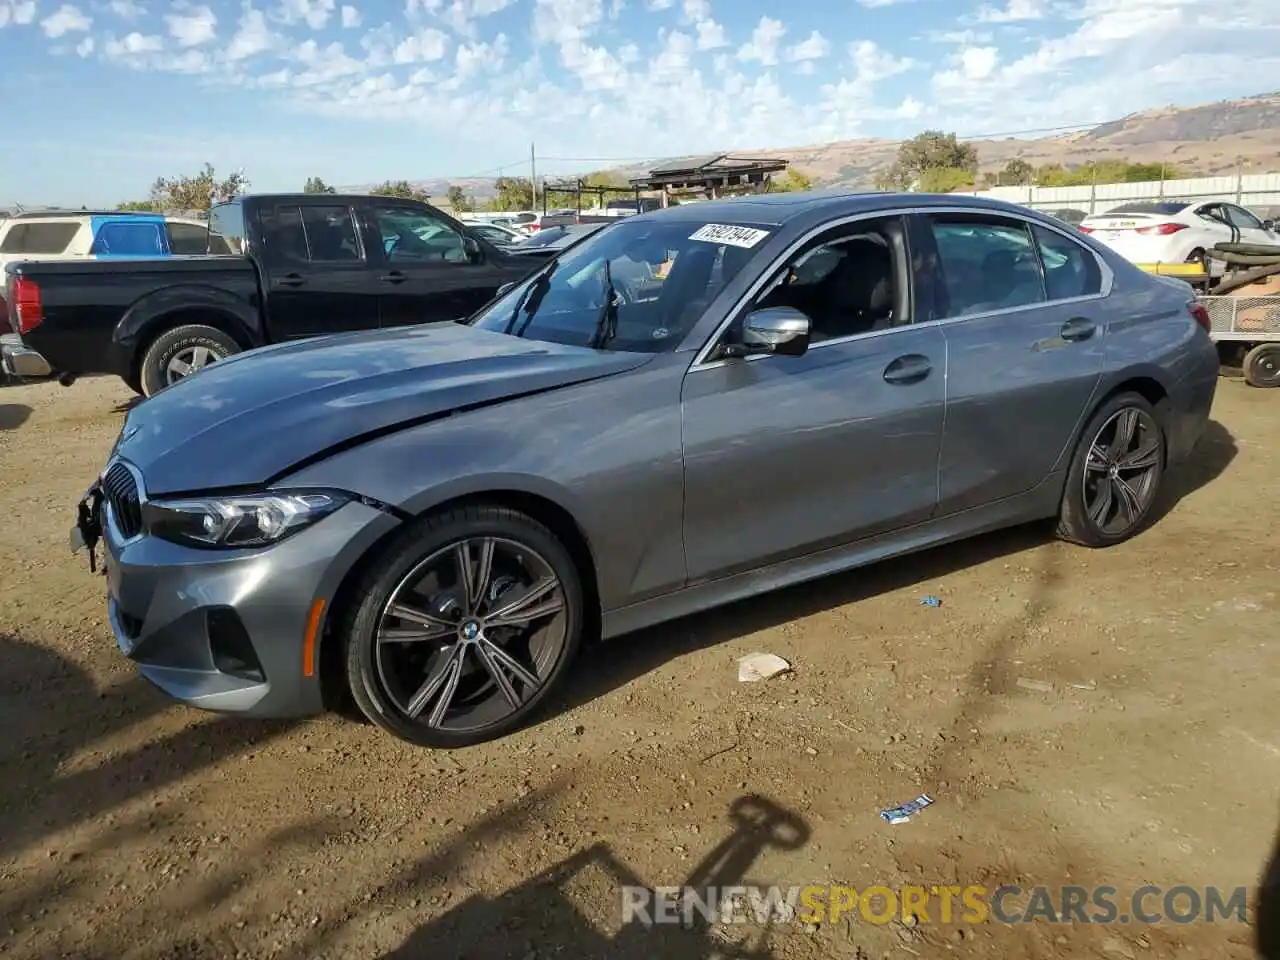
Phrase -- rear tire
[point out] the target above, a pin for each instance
(190, 347)
(1115, 475)
(1261, 365)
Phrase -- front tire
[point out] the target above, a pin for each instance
(464, 627)
(180, 352)
(1115, 474)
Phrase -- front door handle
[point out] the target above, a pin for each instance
(291, 280)
(1077, 329)
(395, 276)
(911, 368)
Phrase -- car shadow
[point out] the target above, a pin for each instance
(51, 711)
(604, 667)
(1266, 919)
(13, 415)
(501, 926)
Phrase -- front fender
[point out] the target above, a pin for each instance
(139, 323)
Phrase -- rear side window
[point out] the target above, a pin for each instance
(118, 238)
(1069, 269)
(310, 234)
(45, 238)
(987, 264)
(187, 239)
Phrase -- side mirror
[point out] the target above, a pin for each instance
(1268, 225)
(774, 330)
(471, 247)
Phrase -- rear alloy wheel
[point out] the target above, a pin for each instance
(464, 628)
(1261, 365)
(180, 352)
(1115, 475)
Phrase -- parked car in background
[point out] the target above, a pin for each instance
(305, 265)
(495, 233)
(432, 521)
(553, 239)
(1069, 215)
(1176, 231)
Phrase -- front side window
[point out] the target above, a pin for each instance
(986, 263)
(1069, 269)
(1239, 217)
(846, 282)
(187, 239)
(42, 238)
(413, 236)
(638, 286)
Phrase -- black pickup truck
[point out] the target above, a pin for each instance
(303, 265)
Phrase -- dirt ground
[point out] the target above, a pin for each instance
(1086, 717)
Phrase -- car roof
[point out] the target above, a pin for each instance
(775, 209)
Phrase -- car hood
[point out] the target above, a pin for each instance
(252, 417)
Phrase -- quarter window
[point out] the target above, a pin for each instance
(43, 238)
(1069, 269)
(986, 264)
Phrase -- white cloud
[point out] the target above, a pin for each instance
(695, 10)
(763, 45)
(127, 9)
(193, 28)
(253, 37)
(660, 4)
(18, 12)
(814, 47)
(872, 63)
(314, 13)
(351, 17)
(977, 63)
(132, 45)
(1012, 12)
(422, 47)
(67, 19)
(84, 47)
(711, 35)
(565, 21)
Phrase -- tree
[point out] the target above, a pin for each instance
(458, 198)
(944, 180)
(316, 185)
(197, 192)
(137, 206)
(931, 150)
(1016, 173)
(402, 189)
(794, 181)
(514, 193)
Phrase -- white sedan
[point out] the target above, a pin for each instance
(1177, 231)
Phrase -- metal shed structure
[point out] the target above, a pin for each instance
(711, 176)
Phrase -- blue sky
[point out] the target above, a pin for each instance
(101, 96)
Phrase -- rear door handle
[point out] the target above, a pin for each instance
(911, 368)
(395, 276)
(1077, 329)
(291, 280)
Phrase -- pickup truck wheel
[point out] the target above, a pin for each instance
(182, 351)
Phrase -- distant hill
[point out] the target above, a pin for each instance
(1212, 138)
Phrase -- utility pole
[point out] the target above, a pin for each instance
(533, 175)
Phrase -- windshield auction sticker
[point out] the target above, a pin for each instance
(734, 236)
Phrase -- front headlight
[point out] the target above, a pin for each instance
(252, 520)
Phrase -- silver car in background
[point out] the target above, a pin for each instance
(687, 408)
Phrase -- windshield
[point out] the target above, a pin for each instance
(640, 285)
(550, 236)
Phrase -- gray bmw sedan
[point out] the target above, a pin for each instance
(693, 406)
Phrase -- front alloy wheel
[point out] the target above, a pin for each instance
(1116, 474)
(465, 630)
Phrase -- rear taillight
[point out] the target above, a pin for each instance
(1162, 229)
(1084, 229)
(1200, 313)
(26, 304)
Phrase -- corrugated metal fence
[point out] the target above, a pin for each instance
(1258, 190)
